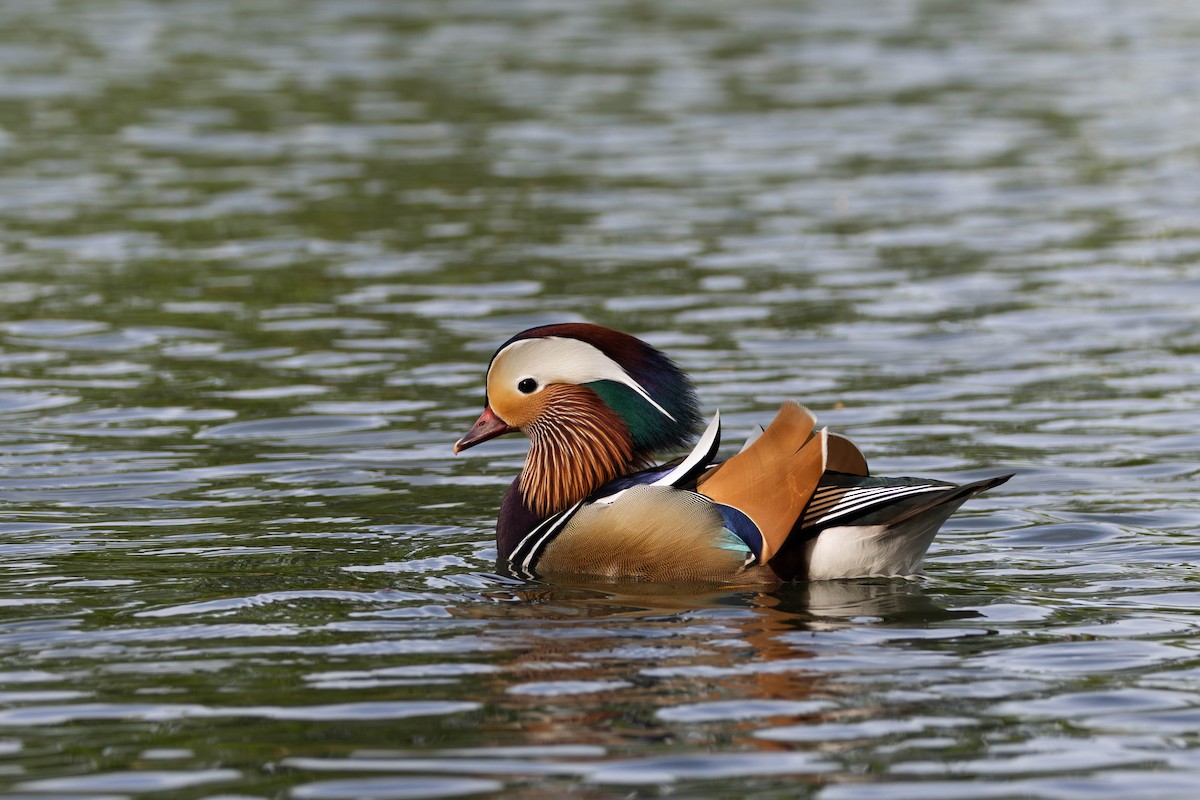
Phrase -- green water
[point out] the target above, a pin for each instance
(254, 257)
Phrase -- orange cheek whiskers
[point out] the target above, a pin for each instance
(578, 445)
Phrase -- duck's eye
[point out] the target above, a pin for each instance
(527, 386)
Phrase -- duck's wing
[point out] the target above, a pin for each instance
(772, 479)
(857, 527)
(842, 499)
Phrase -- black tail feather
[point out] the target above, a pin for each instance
(957, 496)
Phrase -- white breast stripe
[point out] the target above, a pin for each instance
(536, 551)
(532, 541)
(527, 541)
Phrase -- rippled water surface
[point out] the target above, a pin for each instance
(255, 254)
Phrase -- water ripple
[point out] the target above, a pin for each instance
(253, 265)
(165, 712)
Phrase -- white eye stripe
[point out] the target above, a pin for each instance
(557, 359)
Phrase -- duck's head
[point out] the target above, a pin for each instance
(594, 402)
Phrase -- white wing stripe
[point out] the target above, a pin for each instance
(703, 452)
(843, 511)
(820, 503)
(890, 493)
(846, 496)
(826, 493)
(866, 493)
(846, 508)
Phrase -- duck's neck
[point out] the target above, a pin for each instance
(576, 447)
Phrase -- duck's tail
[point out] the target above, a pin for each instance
(856, 527)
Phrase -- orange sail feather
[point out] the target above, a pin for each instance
(772, 480)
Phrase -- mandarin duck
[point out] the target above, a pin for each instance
(597, 405)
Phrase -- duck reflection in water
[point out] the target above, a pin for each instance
(591, 652)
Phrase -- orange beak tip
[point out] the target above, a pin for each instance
(488, 426)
